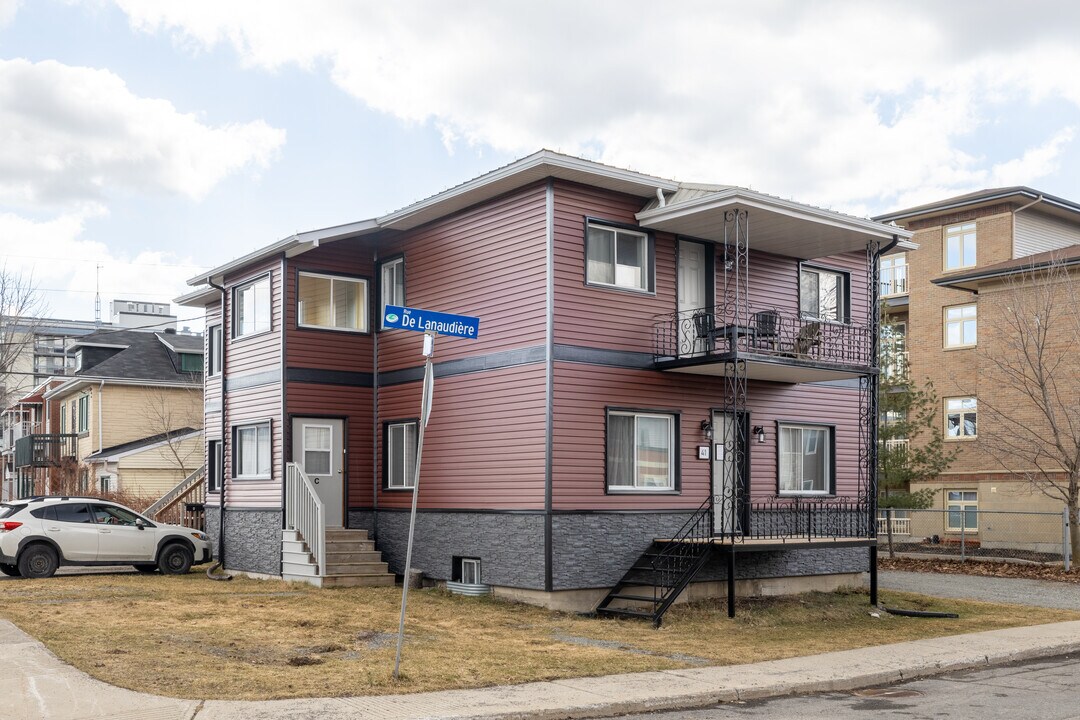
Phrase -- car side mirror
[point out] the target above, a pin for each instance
(140, 523)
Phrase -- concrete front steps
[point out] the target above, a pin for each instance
(351, 560)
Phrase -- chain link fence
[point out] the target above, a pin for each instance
(968, 534)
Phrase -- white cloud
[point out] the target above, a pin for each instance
(63, 265)
(79, 135)
(850, 104)
(8, 9)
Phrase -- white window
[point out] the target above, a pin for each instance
(963, 510)
(960, 417)
(961, 325)
(391, 285)
(84, 413)
(823, 294)
(400, 454)
(960, 246)
(470, 571)
(251, 307)
(214, 340)
(251, 451)
(894, 275)
(619, 258)
(805, 460)
(640, 451)
(332, 302)
(317, 448)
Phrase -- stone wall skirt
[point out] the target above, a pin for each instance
(252, 539)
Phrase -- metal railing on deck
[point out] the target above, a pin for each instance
(305, 514)
(719, 330)
(801, 518)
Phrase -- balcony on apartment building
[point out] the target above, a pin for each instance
(894, 281)
(14, 431)
(775, 345)
(45, 450)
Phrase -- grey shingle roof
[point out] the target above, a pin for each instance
(144, 357)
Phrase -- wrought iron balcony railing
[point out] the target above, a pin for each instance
(719, 331)
(783, 519)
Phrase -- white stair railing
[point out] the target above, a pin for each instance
(180, 489)
(305, 514)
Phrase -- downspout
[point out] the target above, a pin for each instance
(221, 466)
(100, 402)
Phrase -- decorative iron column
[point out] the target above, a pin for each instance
(868, 391)
(735, 311)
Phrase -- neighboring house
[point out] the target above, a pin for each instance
(26, 416)
(656, 360)
(129, 418)
(946, 302)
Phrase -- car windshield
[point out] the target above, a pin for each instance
(8, 510)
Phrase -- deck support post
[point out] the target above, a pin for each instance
(873, 575)
(731, 582)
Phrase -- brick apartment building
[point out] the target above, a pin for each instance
(949, 301)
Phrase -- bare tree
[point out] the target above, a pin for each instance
(1031, 412)
(21, 308)
(172, 413)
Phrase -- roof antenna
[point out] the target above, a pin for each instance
(97, 295)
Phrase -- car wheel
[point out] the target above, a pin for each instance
(10, 570)
(146, 568)
(38, 561)
(175, 559)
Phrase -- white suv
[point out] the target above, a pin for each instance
(38, 535)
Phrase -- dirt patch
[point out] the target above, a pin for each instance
(982, 567)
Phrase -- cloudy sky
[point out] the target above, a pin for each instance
(157, 139)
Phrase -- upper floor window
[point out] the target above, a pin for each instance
(894, 275)
(251, 451)
(961, 325)
(618, 258)
(213, 366)
(961, 417)
(960, 246)
(391, 285)
(251, 307)
(641, 451)
(327, 301)
(190, 362)
(823, 294)
(805, 459)
(84, 413)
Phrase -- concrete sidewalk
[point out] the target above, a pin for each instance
(43, 687)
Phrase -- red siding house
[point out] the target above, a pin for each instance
(673, 383)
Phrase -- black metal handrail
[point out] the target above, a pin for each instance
(722, 330)
(682, 552)
(808, 518)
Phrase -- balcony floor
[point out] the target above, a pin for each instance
(745, 544)
(770, 368)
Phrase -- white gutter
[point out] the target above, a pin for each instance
(75, 383)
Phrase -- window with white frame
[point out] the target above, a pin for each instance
(331, 302)
(823, 294)
(641, 451)
(960, 417)
(251, 451)
(214, 342)
(805, 459)
(391, 285)
(470, 571)
(84, 413)
(618, 258)
(894, 275)
(213, 466)
(400, 454)
(317, 445)
(962, 508)
(961, 325)
(251, 307)
(960, 246)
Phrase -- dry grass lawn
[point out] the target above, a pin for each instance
(187, 636)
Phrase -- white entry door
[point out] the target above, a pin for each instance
(692, 295)
(725, 474)
(319, 449)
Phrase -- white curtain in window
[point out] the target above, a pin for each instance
(600, 260)
(621, 451)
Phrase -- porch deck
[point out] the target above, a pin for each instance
(774, 543)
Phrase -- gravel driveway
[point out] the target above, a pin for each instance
(1019, 591)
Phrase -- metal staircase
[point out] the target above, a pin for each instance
(668, 566)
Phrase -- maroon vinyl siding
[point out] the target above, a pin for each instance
(254, 356)
(355, 405)
(484, 445)
(488, 262)
(331, 349)
(583, 392)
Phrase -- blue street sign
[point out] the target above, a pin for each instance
(405, 318)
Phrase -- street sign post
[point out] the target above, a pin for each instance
(432, 324)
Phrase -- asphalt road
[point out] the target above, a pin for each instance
(1039, 690)
(1040, 593)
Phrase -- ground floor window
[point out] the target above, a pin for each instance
(641, 451)
(466, 570)
(805, 456)
(962, 510)
(251, 451)
(213, 466)
(399, 449)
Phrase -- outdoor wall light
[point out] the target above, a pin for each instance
(706, 429)
(759, 430)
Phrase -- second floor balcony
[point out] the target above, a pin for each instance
(775, 345)
(894, 280)
(45, 450)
